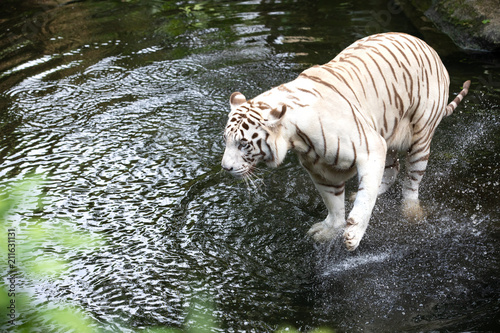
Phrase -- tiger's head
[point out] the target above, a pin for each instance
(253, 134)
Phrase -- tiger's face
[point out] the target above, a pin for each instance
(249, 135)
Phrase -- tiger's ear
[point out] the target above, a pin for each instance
(275, 116)
(236, 100)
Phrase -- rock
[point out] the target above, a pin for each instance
(471, 24)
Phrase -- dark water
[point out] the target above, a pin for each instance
(121, 106)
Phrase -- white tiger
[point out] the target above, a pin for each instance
(382, 95)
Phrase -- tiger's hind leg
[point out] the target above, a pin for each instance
(391, 171)
(416, 163)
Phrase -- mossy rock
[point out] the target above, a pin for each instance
(471, 24)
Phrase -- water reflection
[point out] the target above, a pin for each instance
(122, 106)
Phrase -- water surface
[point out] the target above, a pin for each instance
(121, 107)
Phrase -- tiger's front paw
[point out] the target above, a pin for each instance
(353, 234)
(322, 232)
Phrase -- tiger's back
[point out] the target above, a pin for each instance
(394, 81)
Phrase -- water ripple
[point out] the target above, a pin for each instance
(129, 142)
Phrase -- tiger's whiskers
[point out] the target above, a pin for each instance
(253, 183)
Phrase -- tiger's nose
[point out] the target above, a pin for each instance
(227, 168)
(227, 163)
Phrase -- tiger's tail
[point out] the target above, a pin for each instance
(453, 105)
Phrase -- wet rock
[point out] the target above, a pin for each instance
(471, 24)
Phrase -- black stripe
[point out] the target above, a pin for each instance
(340, 186)
(308, 91)
(318, 80)
(368, 71)
(421, 159)
(338, 152)
(341, 78)
(357, 76)
(355, 156)
(402, 51)
(323, 134)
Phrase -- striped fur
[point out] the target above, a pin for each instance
(382, 95)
